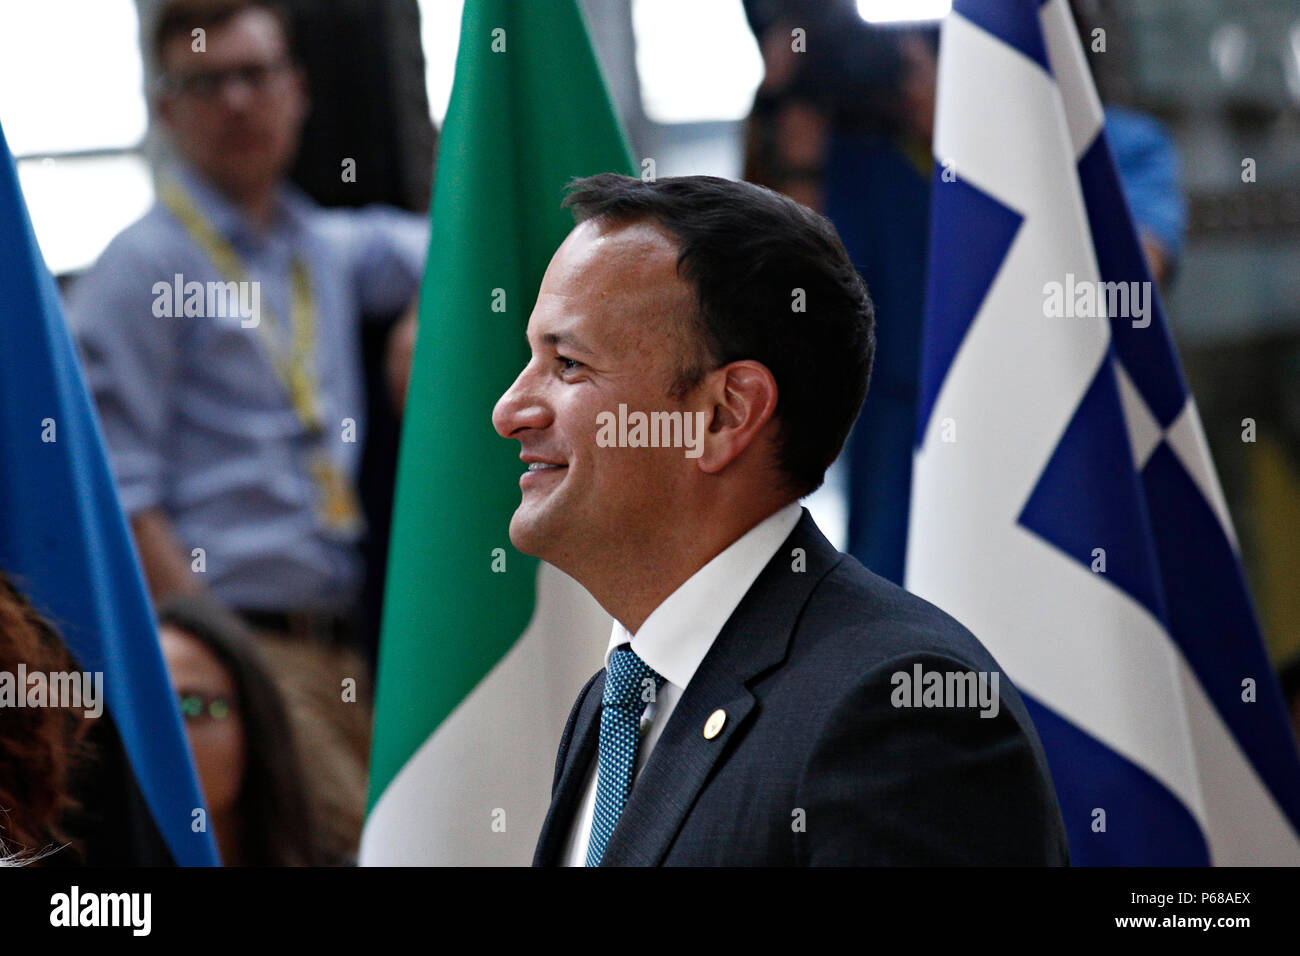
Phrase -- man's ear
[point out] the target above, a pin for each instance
(303, 90)
(162, 108)
(742, 396)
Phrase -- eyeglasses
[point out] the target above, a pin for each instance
(206, 84)
(194, 706)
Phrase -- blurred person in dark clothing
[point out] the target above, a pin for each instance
(824, 69)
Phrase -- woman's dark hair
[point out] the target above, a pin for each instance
(273, 805)
(40, 747)
(774, 285)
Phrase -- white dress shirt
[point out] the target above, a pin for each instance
(675, 638)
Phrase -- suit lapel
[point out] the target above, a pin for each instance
(754, 639)
(582, 748)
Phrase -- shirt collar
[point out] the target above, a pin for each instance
(678, 634)
(229, 220)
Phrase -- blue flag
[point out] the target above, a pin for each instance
(1065, 507)
(63, 537)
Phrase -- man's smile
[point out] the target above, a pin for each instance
(539, 471)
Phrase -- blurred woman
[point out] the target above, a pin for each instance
(240, 735)
(39, 746)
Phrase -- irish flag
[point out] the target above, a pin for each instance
(484, 649)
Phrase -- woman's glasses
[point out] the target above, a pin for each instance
(196, 707)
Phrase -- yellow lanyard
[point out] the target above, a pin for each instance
(294, 370)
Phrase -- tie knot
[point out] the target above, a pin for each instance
(630, 683)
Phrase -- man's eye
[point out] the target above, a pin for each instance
(568, 364)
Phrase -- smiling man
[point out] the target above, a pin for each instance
(750, 711)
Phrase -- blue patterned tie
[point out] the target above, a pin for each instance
(627, 691)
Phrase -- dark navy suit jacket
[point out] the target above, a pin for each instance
(814, 764)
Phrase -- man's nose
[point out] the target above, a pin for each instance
(520, 407)
(237, 92)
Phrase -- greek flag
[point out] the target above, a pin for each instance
(1065, 507)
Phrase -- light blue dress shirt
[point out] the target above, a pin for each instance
(197, 420)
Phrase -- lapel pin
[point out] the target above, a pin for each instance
(713, 726)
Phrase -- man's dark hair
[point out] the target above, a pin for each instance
(181, 17)
(774, 285)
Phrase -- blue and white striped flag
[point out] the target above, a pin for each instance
(1064, 505)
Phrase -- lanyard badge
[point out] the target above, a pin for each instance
(338, 512)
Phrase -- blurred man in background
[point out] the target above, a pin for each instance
(220, 340)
